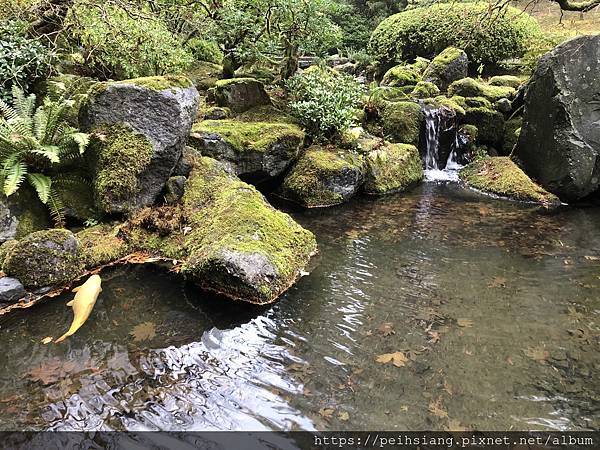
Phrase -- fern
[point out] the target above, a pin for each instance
(57, 209)
(42, 185)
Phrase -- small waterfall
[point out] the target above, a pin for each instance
(443, 144)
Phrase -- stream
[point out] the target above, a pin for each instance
(438, 309)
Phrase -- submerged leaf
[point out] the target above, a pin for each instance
(398, 359)
(143, 332)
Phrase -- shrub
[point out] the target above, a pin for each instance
(324, 101)
(23, 60)
(486, 37)
(204, 50)
(120, 44)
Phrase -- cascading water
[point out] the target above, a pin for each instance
(443, 145)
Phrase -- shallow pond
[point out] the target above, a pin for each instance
(437, 309)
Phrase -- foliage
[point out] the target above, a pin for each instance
(23, 60)
(487, 36)
(324, 101)
(33, 142)
(538, 46)
(122, 43)
(204, 50)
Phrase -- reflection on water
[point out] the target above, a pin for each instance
(487, 310)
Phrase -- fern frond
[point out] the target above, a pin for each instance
(50, 152)
(81, 139)
(40, 122)
(14, 174)
(42, 185)
(24, 105)
(8, 112)
(57, 209)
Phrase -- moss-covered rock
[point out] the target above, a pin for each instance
(501, 176)
(456, 104)
(473, 102)
(425, 89)
(77, 197)
(489, 123)
(101, 245)
(323, 177)
(205, 75)
(240, 94)
(45, 258)
(402, 121)
(401, 75)
(512, 131)
(5, 248)
(392, 168)
(468, 87)
(506, 81)
(22, 213)
(450, 65)
(382, 94)
(216, 113)
(260, 150)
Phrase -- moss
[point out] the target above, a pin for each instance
(5, 249)
(420, 64)
(45, 258)
(78, 200)
(511, 134)
(401, 75)
(425, 89)
(205, 75)
(248, 136)
(503, 177)
(266, 113)
(382, 94)
(402, 121)
(475, 102)
(455, 103)
(312, 182)
(161, 83)
(468, 87)
(506, 81)
(393, 168)
(230, 81)
(101, 245)
(489, 123)
(437, 71)
(230, 217)
(470, 131)
(121, 156)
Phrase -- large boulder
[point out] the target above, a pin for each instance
(323, 177)
(20, 214)
(401, 121)
(501, 176)
(559, 143)
(401, 75)
(257, 150)
(45, 258)
(240, 94)
(447, 67)
(100, 245)
(11, 290)
(392, 168)
(141, 127)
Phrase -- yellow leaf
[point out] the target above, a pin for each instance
(344, 416)
(464, 323)
(326, 412)
(398, 359)
(143, 332)
(47, 340)
(436, 409)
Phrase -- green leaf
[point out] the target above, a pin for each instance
(42, 184)
(15, 172)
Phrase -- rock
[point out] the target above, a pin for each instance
(401, 75)
(174, 189)
(45, 258)
(11, 290)
(503, 105)
(184, 166)
(402, 121)
(383, 94)
(323, 177)
(235, 243)
(506, 81)
(512, 130)
(240, 94)
(559, 144)
(501, 176)
(258, 150)
(5, 248)
(204, 75)
(425, 89)
(455, 104)
(468, 87)
(489, 123)
(216, 113)
(100, 245)
(447, 67)
(141, 127)
(392, 168)
(21, 213)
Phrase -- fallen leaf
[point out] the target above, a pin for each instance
(464, 323)
(326, 412)
(592, 258)
(437, 410)
(47, 340)
(344, 416)
(538, 354)
(143, 332)
(386, 329)
(434, 336)
(510, 361)
(498, 282)
(398, 359)
(455, 425)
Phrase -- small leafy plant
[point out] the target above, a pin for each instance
(33, 144)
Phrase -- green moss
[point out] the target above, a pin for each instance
(393, 168)
(205, 75)
(228, 82)
(401, 75)
(425, 89)
(475, 102)
(5, 249)
(468, 87)
(230, 217)
(266, 113)
(310, 181)
(101, 245)
(45, 258)
(382, 94)
(455, 103)
(248, 136)
(121, 156)
(78, 199)
(511, 134)
(420, 64)
(503, 177)
(470, 131)
(489, 123)
(160, 83)
(506, 81)
(436, 71)
(402, 121)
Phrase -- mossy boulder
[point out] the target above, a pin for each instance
(258, 150)
(401, 75)
(401, 121)
(5, 248)
(392, 168)
(323, 177)
(506, 81)
(141, 127)
(449, 66)
(240, 94)
(456, 104)
(205, 75)
(489, 123)
(100, 245)
(382, 94)
(425, 89)
(45, 258)
(77, 197)
(468, 87)
(21, 213)
(512, 131)
(501, 176)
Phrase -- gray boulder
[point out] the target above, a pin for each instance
(142, 126)
(240, 94)
(447, 67)
(559, 144)
(21, 214)
(11, 290)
